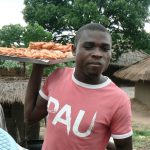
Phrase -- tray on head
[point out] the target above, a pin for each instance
(36, 61)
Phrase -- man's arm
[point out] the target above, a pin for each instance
(35, 106)
(123, 144)
(110, 146)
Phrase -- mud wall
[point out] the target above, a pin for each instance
(142, 92)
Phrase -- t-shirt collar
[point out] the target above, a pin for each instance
(91, 86)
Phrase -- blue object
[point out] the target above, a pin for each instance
(7, 142)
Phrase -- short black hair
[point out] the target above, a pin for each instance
(89, 27)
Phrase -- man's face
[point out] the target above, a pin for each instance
(93, 53)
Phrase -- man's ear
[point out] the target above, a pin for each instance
(74, 50)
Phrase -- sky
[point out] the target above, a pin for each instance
(11, 13)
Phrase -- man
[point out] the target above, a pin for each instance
(83, 107)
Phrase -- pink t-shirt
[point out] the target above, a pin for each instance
(83, 116)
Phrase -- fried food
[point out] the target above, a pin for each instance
(36, 45)
(48, 45)
(40, 50)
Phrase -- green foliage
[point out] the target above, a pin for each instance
(9, 64)
(143, 41)
(50, 69)
(11, 35)
(141, 137)
(28, 69)
(47, 13)
(34, 33)
(18, 36)
(142, 132)
(123, 18)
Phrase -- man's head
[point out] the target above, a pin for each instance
(92, 47)
(89, 27)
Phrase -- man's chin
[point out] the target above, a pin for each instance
(95, 73)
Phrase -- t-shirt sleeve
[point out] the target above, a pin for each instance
(121, 121)
(44, 90)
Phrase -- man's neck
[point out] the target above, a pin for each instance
(89, 79)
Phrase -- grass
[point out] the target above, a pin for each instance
(141, 137)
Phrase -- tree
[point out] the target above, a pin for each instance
(18, 36)
(34, 33)
(11, 35)
(123, 18)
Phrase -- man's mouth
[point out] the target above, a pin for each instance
(95, 64)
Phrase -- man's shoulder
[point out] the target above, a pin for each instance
(60, 73)
(64, 69)
(118, 91)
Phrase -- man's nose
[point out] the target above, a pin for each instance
(97, 53)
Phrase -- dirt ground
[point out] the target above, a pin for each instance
(140, 120)
(140, 112)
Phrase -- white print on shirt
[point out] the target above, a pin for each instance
(66, 110)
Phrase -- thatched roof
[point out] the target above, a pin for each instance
(130, 58)
(13, 90)
(136, 72)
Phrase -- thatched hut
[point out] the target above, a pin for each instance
(140, 74)
(125, 60)
(131, 57)
(12, 94)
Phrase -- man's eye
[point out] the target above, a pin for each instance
(106, 48)
(88, 46)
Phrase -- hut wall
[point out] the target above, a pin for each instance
(142, 92)
(14, 115)
(14, 120)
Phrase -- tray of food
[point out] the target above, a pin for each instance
(39, 52)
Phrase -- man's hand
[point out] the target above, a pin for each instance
(110, 146)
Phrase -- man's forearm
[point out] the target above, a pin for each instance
(124, 144)
(32, 90)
